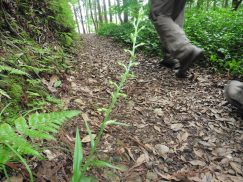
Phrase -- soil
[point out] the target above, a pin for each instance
(180, 129)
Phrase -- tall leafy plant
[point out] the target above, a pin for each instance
(81, 165)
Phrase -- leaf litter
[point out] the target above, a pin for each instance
(180, 130)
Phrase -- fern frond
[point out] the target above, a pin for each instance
(39, 126)
(5, 154)
(2, 92)
(13, 71)
(50, 122)
(20, 144)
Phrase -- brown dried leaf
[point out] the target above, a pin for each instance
(176, 127)
(198, 152)
(198, 163)
(87, 139)
(15, 179)
(157, 128)
(182, 137)
(141, 160)
(237, 167)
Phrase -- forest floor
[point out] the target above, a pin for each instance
(180, 129)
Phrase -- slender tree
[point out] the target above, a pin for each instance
(105, 11)
(125, 6)
(110, 12)
(91, 14)
(99, 11)
(86, 7)
(119, 10)
(95, 13)
(236, 4)
(76, 18)
(81, 16)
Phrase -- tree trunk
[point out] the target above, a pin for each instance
(99, 12)
(199, 4)
(81, 16)
(125, 11)
(95, 13)
(226, 3)
(91, 14)
(105, 11)
(214, 4)
(119, 12)
(236, 4)
(87, 16)
(110, 13)
(76, 18)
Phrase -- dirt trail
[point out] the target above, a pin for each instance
(179, 129)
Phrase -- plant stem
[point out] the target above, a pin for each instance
(115, 97)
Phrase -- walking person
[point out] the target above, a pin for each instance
(168, 17)
(233, 92)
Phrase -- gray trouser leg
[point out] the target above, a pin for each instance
(167, 17)
(179, 21)
(234, 93)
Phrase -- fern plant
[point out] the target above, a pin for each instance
(12, 71)
(13, 140)
(80, 165)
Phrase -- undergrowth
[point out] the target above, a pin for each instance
(36, 38)
(218, 32)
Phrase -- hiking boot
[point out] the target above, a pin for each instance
(170, 63)
(192, 54)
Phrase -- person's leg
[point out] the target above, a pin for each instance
(234, 94)
(168, 60)
(163, 15)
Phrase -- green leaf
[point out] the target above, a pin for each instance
(99, 163)
(88, 179)
(77, 158)
(92, 142)
(5, 155)
(2, 92)
(57, 84)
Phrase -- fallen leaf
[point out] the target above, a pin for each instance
(85, 117)
(162, 149)
(198, 163)
(182, 137)
(198, 152)
(159, 112)
(130, 154)
(15, 179)
(141, 159)
(87, 139)
(237, 167)
(157, 128)
(49, 154)
(53, 80)
(176, 127)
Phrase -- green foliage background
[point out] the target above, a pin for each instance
(219, 32)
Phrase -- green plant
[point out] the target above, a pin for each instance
(18, 141)
(80, 166)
